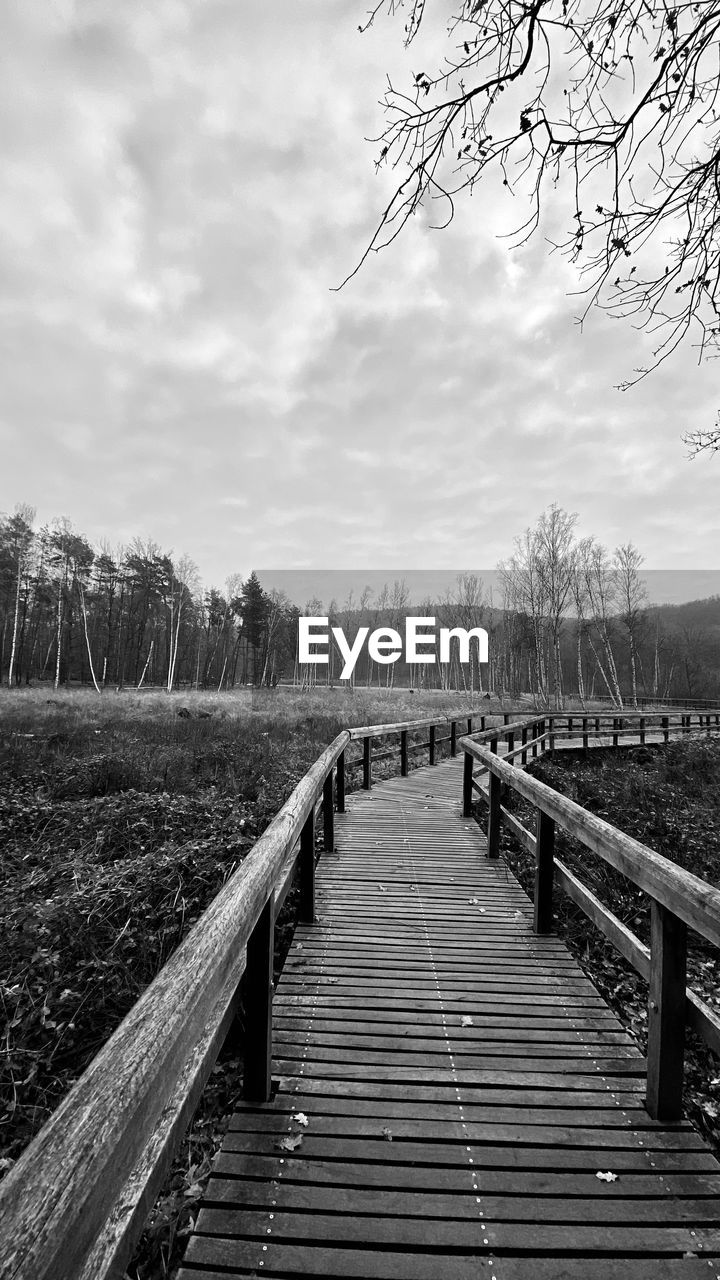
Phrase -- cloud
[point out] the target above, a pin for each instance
(184, 188)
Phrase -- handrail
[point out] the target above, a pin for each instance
(678, 898)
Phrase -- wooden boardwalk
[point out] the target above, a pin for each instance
(450, 1085)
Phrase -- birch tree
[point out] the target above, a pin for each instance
(22, 536)
(632, 596)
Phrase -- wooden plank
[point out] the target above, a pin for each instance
(281, 1260)
(458, 1205)
(208, 1247)
(507, 1181)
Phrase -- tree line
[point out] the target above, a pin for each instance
(571, 618)
(74, 613)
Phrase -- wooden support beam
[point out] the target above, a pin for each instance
(403, 754)
(328, 814)
(306, 867)
(666, 1014)
(367, 764)
(431, 745)
(544, 870)
(340, 783)
(494, 816)
(257, 1077)
(453, 737)
(467, 785)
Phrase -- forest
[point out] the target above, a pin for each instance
(573, 620)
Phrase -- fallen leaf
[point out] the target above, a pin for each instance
(466, 1021)
(473, 901)
(382, 888)
(387, 1134)
(289, 1144)
(301, 1118)
(606, 1177)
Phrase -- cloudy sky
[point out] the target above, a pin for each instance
(184, 182)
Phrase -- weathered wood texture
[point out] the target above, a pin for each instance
(449, 1086)
(694, 901)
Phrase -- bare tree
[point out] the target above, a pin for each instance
(538, 580)
(632, 596)
(706, 440)
(21, 527)
(599, 590)
(620, 97)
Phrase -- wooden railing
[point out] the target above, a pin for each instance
(678, 899)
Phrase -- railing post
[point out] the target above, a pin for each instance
(453, 737)
(585, 733)
(666, 728)
(544, 868)
(569, 726)
(493, 834)
(494, 744)
(642, 731)
(469, 728)
(597, 726)
(403, 753)
(510, 743)
(257, 997)
(306, 864)
(615, 728)
(467, 785)
(523, 739)
(536, 731)
(367, 767)
(328, 814)
(506, 717)
(340, 783)
(666, 1014)
(482, 723)
(431, 745)
(551, 739)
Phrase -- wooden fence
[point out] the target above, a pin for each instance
(678, 899)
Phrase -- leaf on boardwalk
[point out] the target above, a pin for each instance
(301, 1118)
(289, 1144)
(387, 1134)
(382, 888)
(466, 1021)
(606, 1177)
(473, 901)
